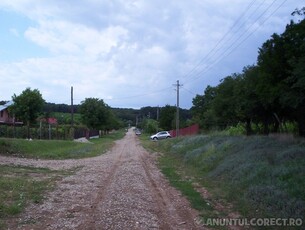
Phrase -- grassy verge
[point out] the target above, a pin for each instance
(22, 185)
(168, 167)
(54, 149)
(261, 176)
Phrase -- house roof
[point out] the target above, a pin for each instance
(5, 106)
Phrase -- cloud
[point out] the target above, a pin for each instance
(64, 37)
(119, 49)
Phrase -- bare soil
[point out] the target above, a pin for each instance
(122, 189)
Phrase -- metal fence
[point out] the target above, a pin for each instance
(191, 130)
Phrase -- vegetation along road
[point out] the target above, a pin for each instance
(122, 189)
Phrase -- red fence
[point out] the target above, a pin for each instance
(191, 130)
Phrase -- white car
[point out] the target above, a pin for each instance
(161, 135)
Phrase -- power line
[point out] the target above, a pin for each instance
(221, 39)
(189, 91)
(229, 50)
(141, 95)
(195, 73)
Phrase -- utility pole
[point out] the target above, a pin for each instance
(157, 118)
(177, 113)
(72, 109)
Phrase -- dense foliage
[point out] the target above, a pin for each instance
(28, 105)
(60, 108)
(165, 116)
(97, 115)
(266, 95)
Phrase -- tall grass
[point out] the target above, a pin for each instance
(262, 176)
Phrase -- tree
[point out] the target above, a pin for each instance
(27, 106)
(293, 97)
(269, 93)
(150, 126)
(299, 12)
(112, 122)
(202, 109)
(248, 106)
(281, 63)
(94, 113)
(198, 109)
(167, 117)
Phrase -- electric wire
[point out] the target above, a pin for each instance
(220, 40)
(213, 62)
(232, 48)
(218, 47)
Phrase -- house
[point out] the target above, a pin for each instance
(49, 120)
(5, 116)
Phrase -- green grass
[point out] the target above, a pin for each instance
(261, 176)
(168, 165)
(55, 149)
(21, 185)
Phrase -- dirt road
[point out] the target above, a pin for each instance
(122, 189)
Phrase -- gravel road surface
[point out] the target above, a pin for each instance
(122, 189)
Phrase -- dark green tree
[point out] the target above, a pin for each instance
(270, 93)
(27, 106)
(94, 113)
(202, 109)
(281, 84)
(167, 117)
(150, 126)
(112, 122)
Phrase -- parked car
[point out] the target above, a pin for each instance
(138, 132)
(161, 135)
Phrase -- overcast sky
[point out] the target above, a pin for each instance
(130, 53)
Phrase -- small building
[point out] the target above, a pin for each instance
(49, 120)
(7, 118)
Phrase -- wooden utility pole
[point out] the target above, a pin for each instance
(157, 118)
(72, 109)
(177, 113)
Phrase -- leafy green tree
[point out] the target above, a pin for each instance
(112, 122)
(167, 117)
(150, 126)
(225, 103)
(281, 84)
(293, 96)
(149, 112)
(202, 109)
(248, 107)
(27, 106)
(94, 113)
(198, 108)
(269, 93)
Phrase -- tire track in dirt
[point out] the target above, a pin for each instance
(103, 187)
(122, 189)
(174, 217)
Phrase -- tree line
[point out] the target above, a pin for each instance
(269, 94)
(30, 108)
